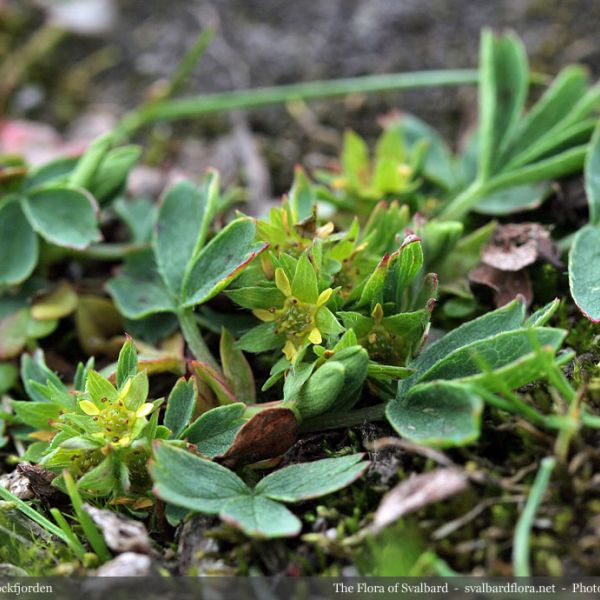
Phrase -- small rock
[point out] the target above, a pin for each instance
(128, 564)
(17, 484)
(122, 535)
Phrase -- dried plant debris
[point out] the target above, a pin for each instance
(417, 492)
(505, 258)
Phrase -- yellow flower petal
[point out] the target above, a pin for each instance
(264, 315)
(282, 282)
(144, 409)
(315, 336)
(324, 297)
(89, 408)
(290, 351)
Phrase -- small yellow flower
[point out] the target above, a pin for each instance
(296, 319)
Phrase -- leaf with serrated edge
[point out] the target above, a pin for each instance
(181, 222)
(221, 261)
(190, 481)
(441, 414)
(260, 517)
(180, 406)
(506, 318)
(215, 430)
(584, 273)
(312, 480)
(18, 244)
(63, 216)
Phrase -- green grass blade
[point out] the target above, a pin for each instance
(522, 539)
(75, 544)
(186, 108)
(92, 534)
(34, 515)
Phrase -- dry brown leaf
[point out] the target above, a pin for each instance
(269, 433)
(416, 492)
(515, 246)
(40, 482)
(505, 285)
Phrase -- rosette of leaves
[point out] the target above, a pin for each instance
(362, 181)
(514, 156)
(100, 432)
(195, 484)
(483, 360)
(56, 204)
(182, 270)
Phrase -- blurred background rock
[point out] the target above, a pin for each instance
(116, 50)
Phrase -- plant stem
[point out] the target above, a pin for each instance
(461, 205)
(522, 539)
(346, 419)
(195, 341)
(185, 108)
(110, 252)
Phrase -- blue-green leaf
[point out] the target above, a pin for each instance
(442, 414)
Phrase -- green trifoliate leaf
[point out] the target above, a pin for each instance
(221, 261)
(312, 480)
(441, 413)
(214, 431)
(260, 517)
(63, 216)
(18, 244)
(181, 228)
(190, 481)
(180, 406)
